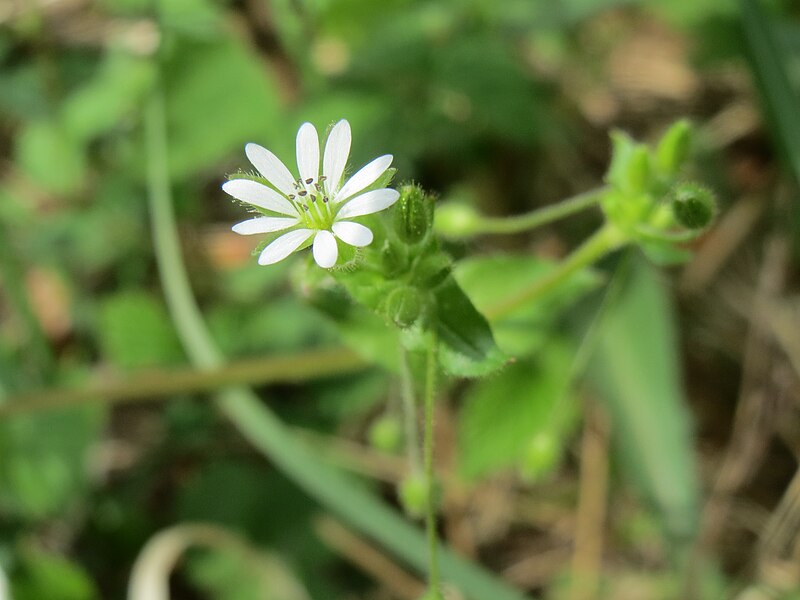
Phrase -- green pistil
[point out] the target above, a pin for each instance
(312, 204)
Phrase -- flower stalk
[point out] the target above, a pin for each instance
(432, 365)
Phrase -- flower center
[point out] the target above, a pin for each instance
(312, 203)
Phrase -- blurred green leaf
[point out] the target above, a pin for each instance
(504, 412)
(52, 158)
(491, 280)
(49, 576)
(135, 331)
(770, 66)
(43, 461)
(219, 96)
(636, 367)
(116, 90)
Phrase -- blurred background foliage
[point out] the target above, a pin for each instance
(643, 444)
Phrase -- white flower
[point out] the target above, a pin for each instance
(312, 205)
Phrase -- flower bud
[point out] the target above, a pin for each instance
(413, 495)
(413, 215)
(456, 219)
(540, 456)
(673, 148)
(386, 433)
(693, 205)
(403, 305)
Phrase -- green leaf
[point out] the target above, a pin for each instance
(467, 346)
(489, 281)
(219, 96)
(52, 577)
(43, 461)
(503, 413)
(103, 102)
(770, 67)
(636, 367)
(135, 331)
(51, 157)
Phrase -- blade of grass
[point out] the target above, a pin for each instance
(770, 69)
(261, 426)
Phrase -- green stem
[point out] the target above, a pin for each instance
(409, 414)
(606, 239)
(541, 216)
(430, 479)
(155, 383)
(261, 427)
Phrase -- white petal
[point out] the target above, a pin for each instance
(284, 246)
(263, 225)
(259, 195)
(271, 167)
(368, 203)
(337, 149)
(354, 234)
(308, 152)
(364, 177)
(325, 250)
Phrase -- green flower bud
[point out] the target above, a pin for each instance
(673, 148)
(456, 219)
(413, 495)
(386, 433)
(693, 205)
(403, 305)
(540, 456)
(639, 171)
(413, 214)
(630, 169)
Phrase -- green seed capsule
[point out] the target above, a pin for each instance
(403, 305)
(386, 433)
(693, 205)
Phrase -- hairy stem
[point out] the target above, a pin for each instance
(606, 239)
(409, 414)
(541, 216)
(432, 366)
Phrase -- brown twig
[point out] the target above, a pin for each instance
(156, 383)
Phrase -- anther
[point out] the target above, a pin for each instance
(310, 180)
(313, 198)
(292, 196)
(323, 178)
(305, 207)
(324, 198)
(302, 192)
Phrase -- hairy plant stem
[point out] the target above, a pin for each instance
(432, 365)
(259, 425)
(542, 216)
(409, 414)
(605, 240)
